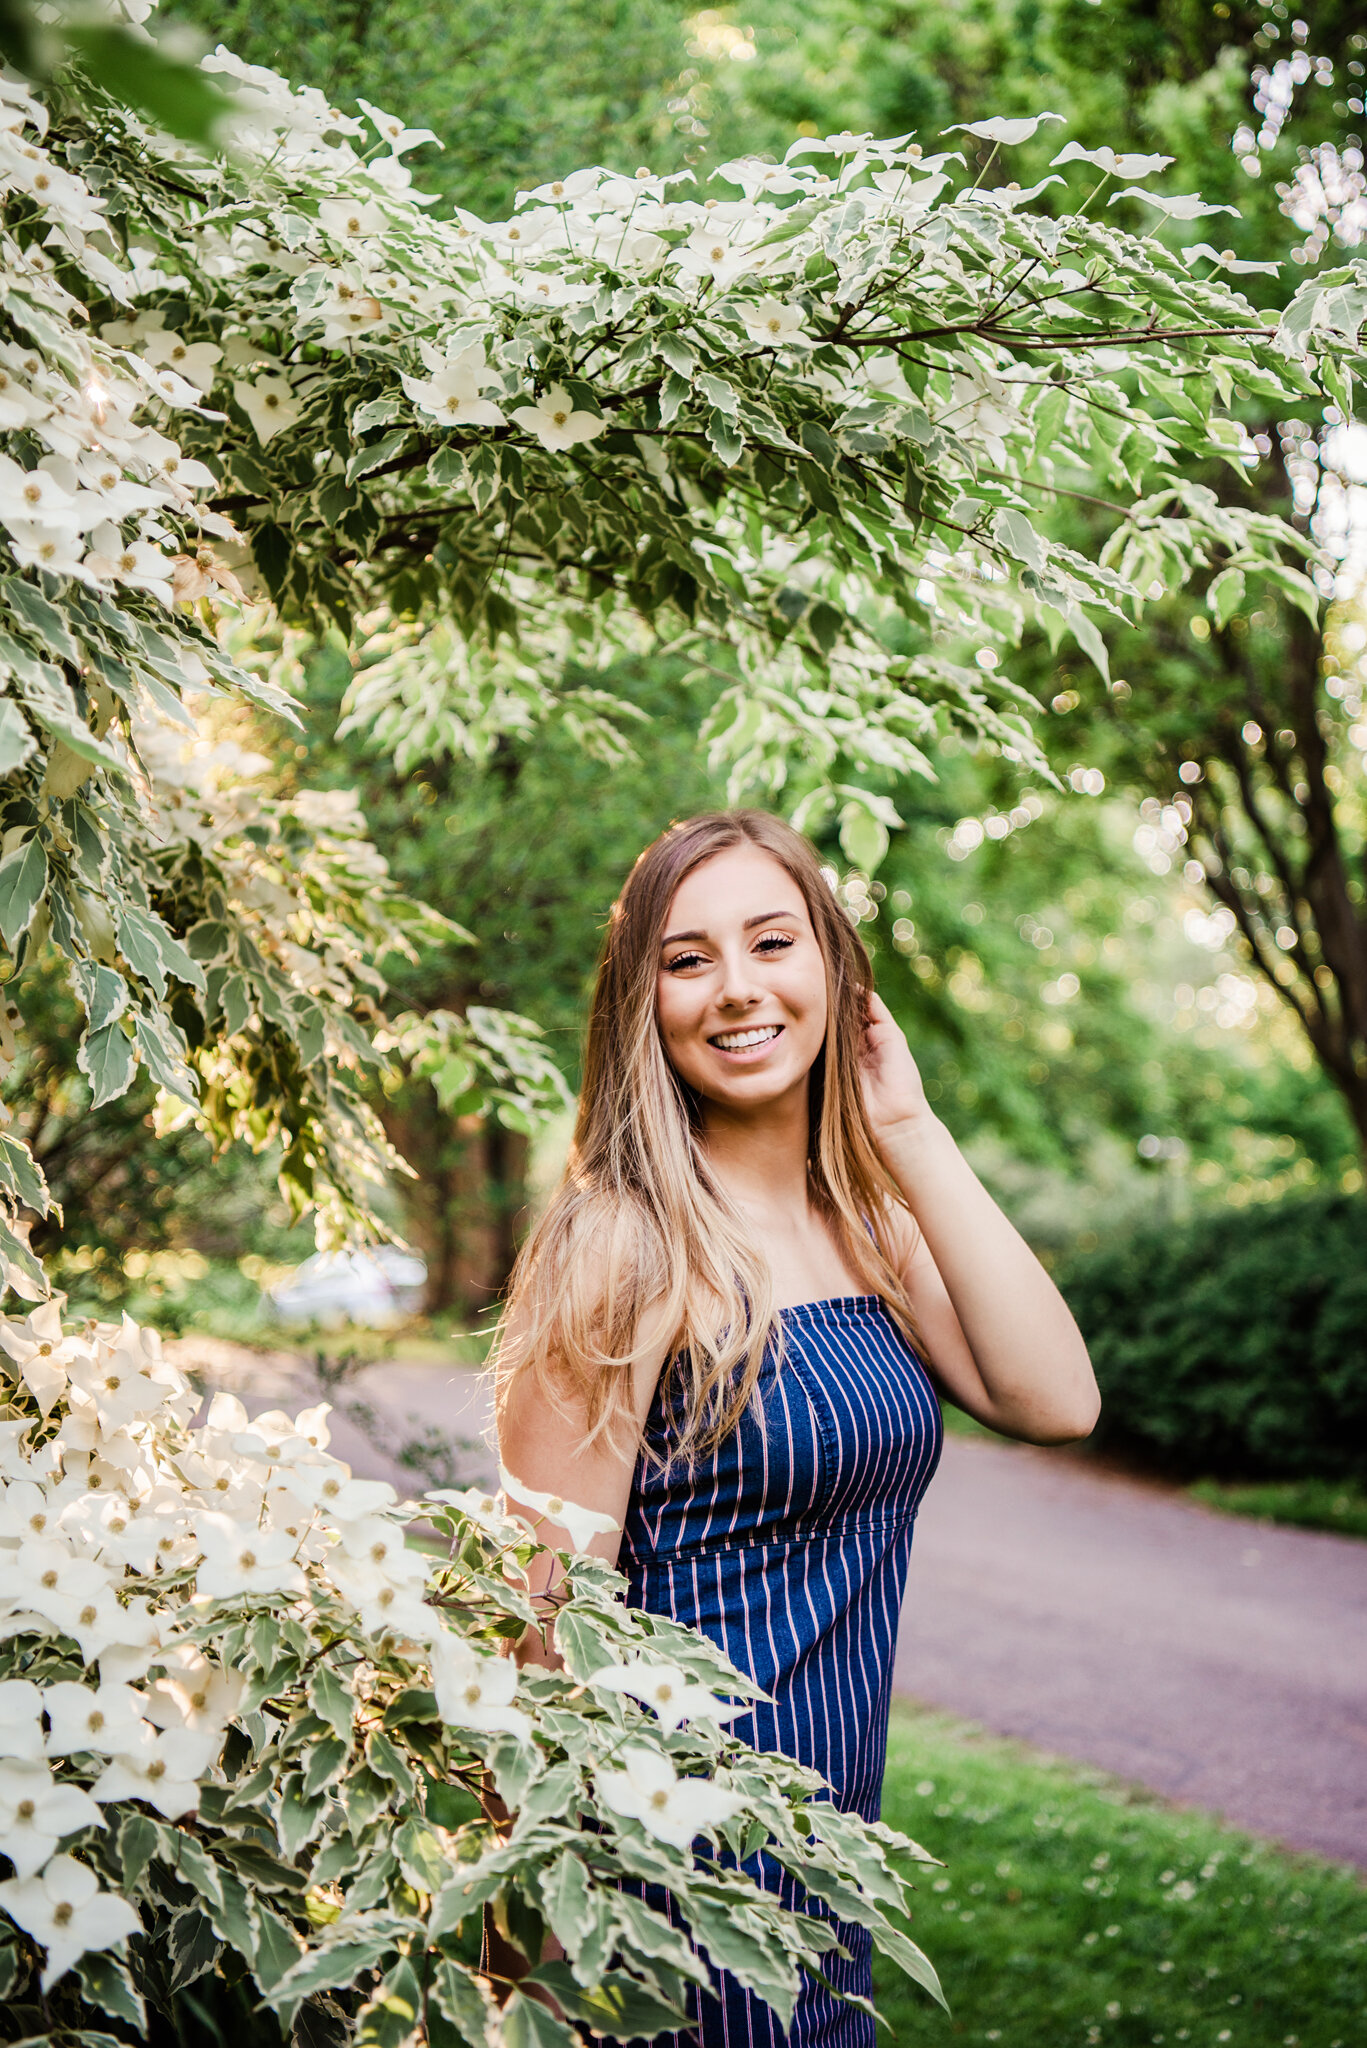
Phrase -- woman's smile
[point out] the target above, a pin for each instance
(749, 1044)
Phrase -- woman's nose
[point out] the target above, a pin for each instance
(738, 984)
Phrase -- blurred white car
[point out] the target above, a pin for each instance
(375, 1288)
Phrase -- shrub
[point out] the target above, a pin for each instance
(1234, 1344)
(251, 1738)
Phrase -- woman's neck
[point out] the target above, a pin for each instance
(760, 1157)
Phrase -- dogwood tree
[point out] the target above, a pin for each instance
(798, 426)
(248, 1734)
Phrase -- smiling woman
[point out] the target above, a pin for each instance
(727, 1332)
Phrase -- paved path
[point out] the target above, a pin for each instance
(1216, 1661)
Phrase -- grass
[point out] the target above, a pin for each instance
(1075, 1912)
(1304, 1503)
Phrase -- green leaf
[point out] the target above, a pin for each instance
(326, 1762)
(366, 460)
(617, 2006)
(23, 880)
(422, 1859)
(1089, 640)
(109, 1062)
(457, 1994)
(106, 1984)
(529, 2024)
(277, 1949)
(324, 1968)
(450, 1806)
(16, 740)
(386, 1759)
(564, 1887)
(175, 95)
(331, 1700)
(1225, 595)
(674, 393)
(678, 353)
(392, 2016)
(21, 1174)
(725, 438)
(863, 839)
(137, 1846)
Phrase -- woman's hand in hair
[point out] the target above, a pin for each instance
(894, 1094)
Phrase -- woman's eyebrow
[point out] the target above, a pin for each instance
(765, 917)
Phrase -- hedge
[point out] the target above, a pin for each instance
(1233, 1344)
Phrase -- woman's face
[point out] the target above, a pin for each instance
(741, 997)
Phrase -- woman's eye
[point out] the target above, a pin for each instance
(782, 940)
(682, 960)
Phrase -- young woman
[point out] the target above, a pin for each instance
(727, 1332)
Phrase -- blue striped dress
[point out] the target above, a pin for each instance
(789, 1548)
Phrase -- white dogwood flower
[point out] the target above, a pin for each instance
(579, 1524)
(106, 1720)
(40, 1351)
(111, 1378)
(392, 129)
(1127, 165)
(194, 360)
(451, 395)
(269, 403)
(36, 1813)
(328, 1486)
(165, 1770)
(65, 1910)
(192, 1692)
(240, 1559)
(671, 1808)
(25, 1512)
(382, 1545)
(382, 1607)
(352, 220)
(272, 1439)
(135, 562)
(552, 418)
(772, 322)
(484, 1509)
(674, 1697)
(21, 1706)
(474, 1691)
(1001, 128)
(56, 550)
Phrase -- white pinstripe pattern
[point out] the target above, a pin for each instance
(790, 1549)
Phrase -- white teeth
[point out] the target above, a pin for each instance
(736, 1041)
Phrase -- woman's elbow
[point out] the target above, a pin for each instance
(1070, 1421)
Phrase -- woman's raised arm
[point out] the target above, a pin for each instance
(1000, 1337)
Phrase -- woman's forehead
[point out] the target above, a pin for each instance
(730, 885)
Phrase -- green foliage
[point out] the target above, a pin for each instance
(1074, 1908)
(1298, 1503)
(515, 93)
(1234, 1344)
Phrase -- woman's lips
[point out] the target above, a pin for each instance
(747, 1054)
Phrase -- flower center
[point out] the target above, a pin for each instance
(248, 1560)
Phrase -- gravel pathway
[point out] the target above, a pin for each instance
(1218, 1661)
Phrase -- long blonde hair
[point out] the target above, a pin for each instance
(640, 1220)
